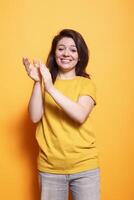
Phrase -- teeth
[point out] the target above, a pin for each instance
(65, 60)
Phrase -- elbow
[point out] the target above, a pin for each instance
(84, 115)
(35, 120)
(82, 119)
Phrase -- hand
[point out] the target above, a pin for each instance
(32, 69)
(46, 75)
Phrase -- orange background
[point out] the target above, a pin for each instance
(27, 28)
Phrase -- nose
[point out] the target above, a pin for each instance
(66, 52)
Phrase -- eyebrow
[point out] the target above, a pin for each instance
(64, 45)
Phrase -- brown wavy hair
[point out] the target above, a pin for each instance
(83, 53)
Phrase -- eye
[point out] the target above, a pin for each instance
(73, 50)
(60, 49)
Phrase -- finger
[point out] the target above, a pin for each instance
(23, 61)
(26, 63)
(42, 71)
(43, 66)
(40, 63)
(35, 62)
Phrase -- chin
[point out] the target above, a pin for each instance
(66, 68)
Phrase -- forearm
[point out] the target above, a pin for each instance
(35, 106)
(71, 108)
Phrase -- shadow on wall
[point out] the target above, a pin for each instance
(30, 150)
(22, 153)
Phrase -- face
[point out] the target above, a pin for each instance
(66, 54)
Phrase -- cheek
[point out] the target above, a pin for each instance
(57, 59)
(76, 58)
(57, 54)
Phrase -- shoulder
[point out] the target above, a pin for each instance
(87, 81)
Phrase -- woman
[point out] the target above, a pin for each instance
(61, 107)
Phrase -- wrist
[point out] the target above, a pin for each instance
(37, 82)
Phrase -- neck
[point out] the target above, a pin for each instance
(66, 75)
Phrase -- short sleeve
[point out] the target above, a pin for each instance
(89, 89)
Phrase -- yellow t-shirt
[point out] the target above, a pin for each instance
(66, 147)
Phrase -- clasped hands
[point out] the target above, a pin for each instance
(38, 71)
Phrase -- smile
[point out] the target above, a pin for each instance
(65, 60)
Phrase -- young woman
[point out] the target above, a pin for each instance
(62, 99)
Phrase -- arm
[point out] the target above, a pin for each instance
(35, 106)
(79, 110)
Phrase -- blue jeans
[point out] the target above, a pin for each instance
(84, 185)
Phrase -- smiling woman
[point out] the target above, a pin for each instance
(68, 156)
(66, 57)
(74, 45)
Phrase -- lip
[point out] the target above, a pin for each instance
(64, 59)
